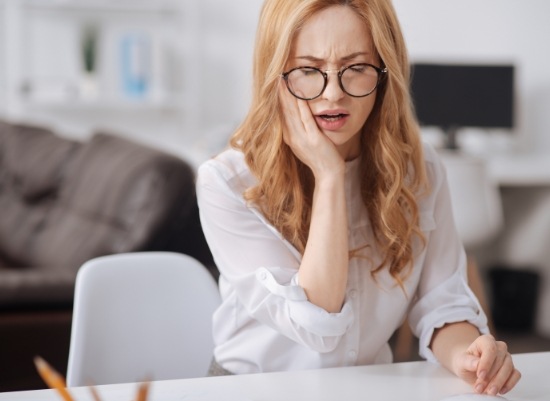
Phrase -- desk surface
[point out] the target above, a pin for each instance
(520, 170)
(513, 169)
(411, 381)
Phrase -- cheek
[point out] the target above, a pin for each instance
(364, 109)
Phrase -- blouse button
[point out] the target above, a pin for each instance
(262, 275)
(353, 294)
(352, 354)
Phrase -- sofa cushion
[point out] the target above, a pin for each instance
(32, 163)
(19, 224)
(34, 160)
(103, 196)
(118, 198)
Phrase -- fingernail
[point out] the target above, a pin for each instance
(493, 390)
(503, 390)
(482, 374)
(479, 388)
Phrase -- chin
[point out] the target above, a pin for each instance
(340, 138)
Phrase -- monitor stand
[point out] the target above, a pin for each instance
(450, 134)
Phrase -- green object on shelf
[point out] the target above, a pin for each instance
(89, 48)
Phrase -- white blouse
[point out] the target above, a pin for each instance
(265, 322)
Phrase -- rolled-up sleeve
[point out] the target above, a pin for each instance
(450, 302)
(443, 295)
(259, 265)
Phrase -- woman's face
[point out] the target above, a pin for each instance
(331, 39)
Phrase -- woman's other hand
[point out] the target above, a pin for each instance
(488, 366)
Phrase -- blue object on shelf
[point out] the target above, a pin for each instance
(135, 67)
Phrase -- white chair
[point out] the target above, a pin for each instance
(141, 316)
(477, 206)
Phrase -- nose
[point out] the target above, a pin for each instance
(333, 92)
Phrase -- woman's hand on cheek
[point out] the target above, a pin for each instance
(304, 137)
(488, 366)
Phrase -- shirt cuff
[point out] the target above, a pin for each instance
(455, 303)
(311, 317)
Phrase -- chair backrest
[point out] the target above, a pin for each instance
(141, 316)
(477, 207)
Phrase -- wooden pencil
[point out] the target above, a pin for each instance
(142, 391)
(95, 394)
(53, 379)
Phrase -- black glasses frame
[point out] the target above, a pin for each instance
(380, 71)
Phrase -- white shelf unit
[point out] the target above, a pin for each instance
(147, 62)
(3, 87)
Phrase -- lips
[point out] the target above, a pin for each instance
(331, 120)
(332, 117)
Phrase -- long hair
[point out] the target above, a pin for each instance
(392, 169)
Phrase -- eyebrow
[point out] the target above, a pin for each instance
(345, 58)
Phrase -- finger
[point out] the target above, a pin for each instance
(502, 366)
(470, 364)
(291, 113)
(502, 353)
(299, 119)
(505, 370)
(467, 368)
(484, 347)
(512, 381)
(307, 116)
(288, 103)
(302, 113)
(487, 351)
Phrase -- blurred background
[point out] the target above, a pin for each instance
(506, 225)
(176, 75)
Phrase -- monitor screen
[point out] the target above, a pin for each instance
(455, 95)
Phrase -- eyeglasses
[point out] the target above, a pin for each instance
(357, 80)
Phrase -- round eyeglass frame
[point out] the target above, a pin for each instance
(379, 71)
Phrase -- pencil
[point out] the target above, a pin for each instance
(53, 379)
(95, 394)
(142, 392)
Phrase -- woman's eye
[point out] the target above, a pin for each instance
(360, 68)
(308, 71)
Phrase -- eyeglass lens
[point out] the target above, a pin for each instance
(356, 80)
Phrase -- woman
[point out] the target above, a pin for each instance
(328, 219)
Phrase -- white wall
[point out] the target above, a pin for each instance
(490, 31)
(228, 30)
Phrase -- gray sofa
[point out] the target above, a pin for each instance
(63, 202)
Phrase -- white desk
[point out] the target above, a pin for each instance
(520, 170)
(412, 381)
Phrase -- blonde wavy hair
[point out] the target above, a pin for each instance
(392, 170)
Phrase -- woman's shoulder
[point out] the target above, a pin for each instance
(436, 176)
(432, 162)
(228, 166)
(430, 154)
(228, 162)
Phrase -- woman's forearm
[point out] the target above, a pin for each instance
(480, 360)
(324, 269)
(452, 339)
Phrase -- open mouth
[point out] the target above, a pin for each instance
(332, 117)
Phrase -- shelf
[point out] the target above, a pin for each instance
(107, 6)
(142, 48)
(172, 104)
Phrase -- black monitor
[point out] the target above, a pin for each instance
(452, 96)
